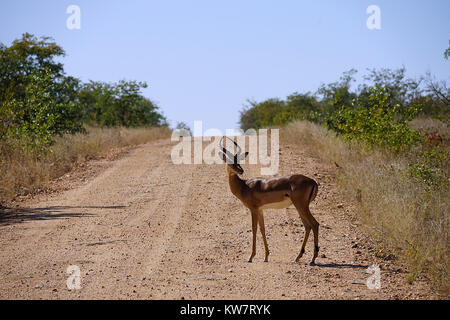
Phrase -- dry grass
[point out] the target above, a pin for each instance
(431, 125)
(23, 173)
(398, 212)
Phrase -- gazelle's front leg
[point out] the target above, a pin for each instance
(254, 229)
(263, 233)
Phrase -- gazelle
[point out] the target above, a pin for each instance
(258, 194)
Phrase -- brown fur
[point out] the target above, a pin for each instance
(276, 192)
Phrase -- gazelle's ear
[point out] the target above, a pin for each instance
(243, 156)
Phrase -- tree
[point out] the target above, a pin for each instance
(183, 129)
(42, 113)
(338, 93)
(376, 122)
(402, 92)
(260, 115)
(37, 100)
(24, 57)
(447, 51)
(118, 104)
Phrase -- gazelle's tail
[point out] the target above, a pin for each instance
(314, 190)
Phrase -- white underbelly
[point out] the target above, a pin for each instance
(277, 205)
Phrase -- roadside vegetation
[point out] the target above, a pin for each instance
(389, 139)
(49, 120)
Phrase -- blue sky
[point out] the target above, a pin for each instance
(204, 59)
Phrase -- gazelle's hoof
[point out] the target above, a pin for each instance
(312, 263)
(266, 260)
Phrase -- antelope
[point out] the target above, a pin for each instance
(280, 192)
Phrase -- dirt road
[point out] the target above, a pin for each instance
(144, 228)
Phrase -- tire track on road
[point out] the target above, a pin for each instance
(172, 202)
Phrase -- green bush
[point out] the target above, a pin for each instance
(377, 123)
(430, 167)
(409, 98)
(24, 57)
(38, 101)
(31, 122)
(118, 104)
(275, 112)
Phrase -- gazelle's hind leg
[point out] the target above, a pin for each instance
(305, 239)
(300, 199)
(315, 227)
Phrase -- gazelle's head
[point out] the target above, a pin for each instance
(231, 160)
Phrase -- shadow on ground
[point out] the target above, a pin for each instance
(10, 216)
(341, 265)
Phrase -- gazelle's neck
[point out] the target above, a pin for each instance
(237, 185)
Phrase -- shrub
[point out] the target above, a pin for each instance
(118, 104)
(276, 112)
(32, 122)
(404, 210)
(377, 123)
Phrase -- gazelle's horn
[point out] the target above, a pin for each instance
(230, 156)
(239, 149)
